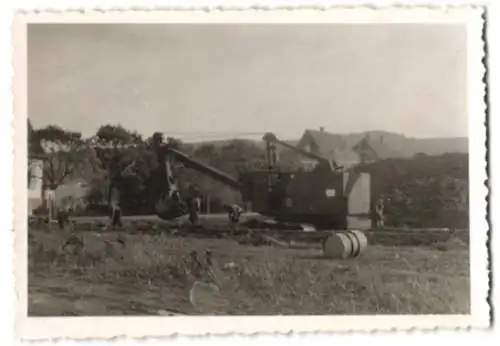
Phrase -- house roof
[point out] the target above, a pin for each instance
(345, 148)
(365, 145)
(326, 141)
(35, 148)
(331, 146)
(378, 145)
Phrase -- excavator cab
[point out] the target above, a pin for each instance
(328, 196)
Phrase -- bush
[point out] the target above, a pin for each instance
(423, 191)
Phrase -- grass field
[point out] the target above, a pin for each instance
(148, 276)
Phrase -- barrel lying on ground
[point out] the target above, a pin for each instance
(345, 244)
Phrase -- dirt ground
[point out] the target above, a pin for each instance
(151, 275)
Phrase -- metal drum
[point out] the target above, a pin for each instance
(345, 244)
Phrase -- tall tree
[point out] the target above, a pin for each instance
(66, 154)
(116, 150)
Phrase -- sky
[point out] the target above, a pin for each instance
(227, 80)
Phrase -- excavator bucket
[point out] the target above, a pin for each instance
(168, 209)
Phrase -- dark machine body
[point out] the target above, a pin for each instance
(327, 197)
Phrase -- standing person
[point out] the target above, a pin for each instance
(194, 204)
(116, 216)
(116, 212)
(194, 210)
(379, 213)
(62, 218)
(234, 214)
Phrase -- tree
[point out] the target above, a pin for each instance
(174, 143)
(116, 136)
(155, 141)
(116, 150)
(66, 154)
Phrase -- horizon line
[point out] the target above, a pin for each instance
(213, 136)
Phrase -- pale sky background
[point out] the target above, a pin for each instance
(235, 79)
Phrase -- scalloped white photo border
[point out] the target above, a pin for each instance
(138, 327)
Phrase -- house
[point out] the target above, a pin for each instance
(369, 150)
(328, 145)
(36, 157)
(347, 150)
(375, 146)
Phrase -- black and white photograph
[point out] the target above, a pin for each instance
(179, 169)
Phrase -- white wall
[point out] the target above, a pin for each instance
(70, 194)
(35, 184)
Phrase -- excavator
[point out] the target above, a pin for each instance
(326, 197)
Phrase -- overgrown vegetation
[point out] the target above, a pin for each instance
(153, 272)
(424, 191)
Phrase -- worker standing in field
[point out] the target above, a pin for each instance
(194, 204)
(116, 216)
(234, 214)
(379, 213)
(62, 218)
(194, 210)
(116, 212)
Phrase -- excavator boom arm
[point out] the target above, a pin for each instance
(214, 173)
(302, 152)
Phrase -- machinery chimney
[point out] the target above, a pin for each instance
(322, 129)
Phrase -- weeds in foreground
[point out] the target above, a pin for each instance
(250, 280)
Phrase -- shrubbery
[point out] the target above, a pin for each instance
(423, 191)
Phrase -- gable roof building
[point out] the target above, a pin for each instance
(377, 146)
(328, 145)
(346, 150)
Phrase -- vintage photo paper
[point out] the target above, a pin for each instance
(249, 171)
